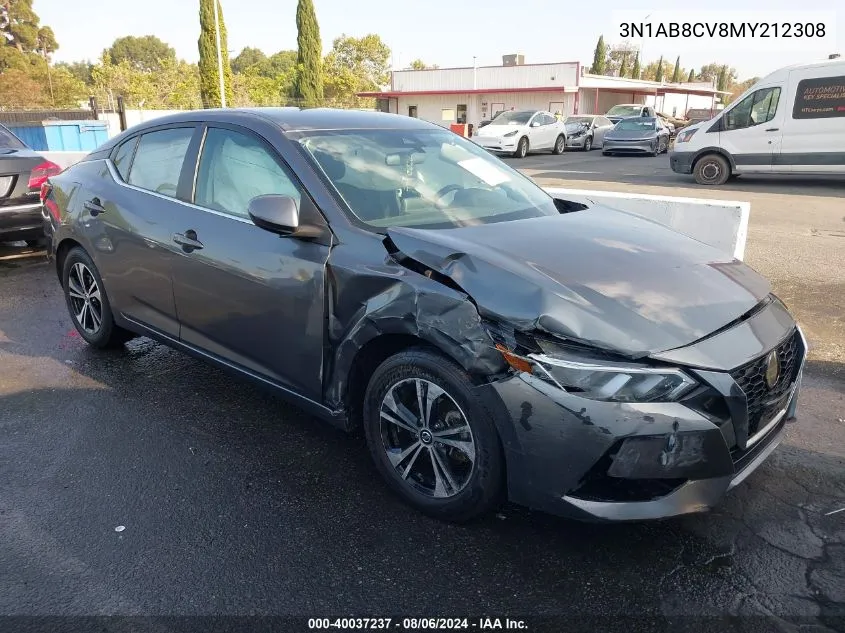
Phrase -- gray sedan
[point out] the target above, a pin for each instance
(641, 135)
(586, 131)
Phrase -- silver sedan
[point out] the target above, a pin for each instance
(642, 135)
(586, 131)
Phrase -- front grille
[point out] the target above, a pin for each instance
(763, 402)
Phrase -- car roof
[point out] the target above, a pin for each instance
(286, 119)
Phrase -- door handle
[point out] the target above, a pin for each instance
(187, 240)
(772, 129)
(94, 207)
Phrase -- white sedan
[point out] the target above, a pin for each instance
(523, 131)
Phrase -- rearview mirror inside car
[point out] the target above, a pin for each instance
(395, 160)
(275, 213)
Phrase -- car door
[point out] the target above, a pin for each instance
(751, 130)
(601, 127)
(126, 222)
(538, 132)
(244, 294)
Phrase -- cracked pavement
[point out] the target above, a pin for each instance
(235, 503)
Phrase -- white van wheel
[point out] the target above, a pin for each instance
(712, 169)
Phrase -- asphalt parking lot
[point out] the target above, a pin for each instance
(234, 503)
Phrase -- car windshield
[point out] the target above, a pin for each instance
(577, 121)
(9, 140)
(423, 178)
(640, 125)
(513, 118)
(625, 110)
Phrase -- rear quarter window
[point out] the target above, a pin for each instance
(123, 157)
(820, 98)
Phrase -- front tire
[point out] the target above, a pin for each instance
(712, 169)
(588, 143)
(560, 145)
(88, 303)
(431, 437)
(521, 148)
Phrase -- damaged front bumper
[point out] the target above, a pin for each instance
(613, 461)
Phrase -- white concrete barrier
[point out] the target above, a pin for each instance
(719, 223)
(64, 159)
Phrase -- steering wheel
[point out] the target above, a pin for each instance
(445, 191)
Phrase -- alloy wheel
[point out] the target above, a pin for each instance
(588, 143)
(559, 145)
(427, 438)
(85, 298)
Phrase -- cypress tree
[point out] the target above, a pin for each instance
(308, 83)
(599, 58)
(658, 74)
(209, 79)
(636, 72)
(721, 83)
(691, 77)
(676, 74)
(623, 69)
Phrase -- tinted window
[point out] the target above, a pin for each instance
(513, 118)
(234, 169)
(123, 157)
(820, 98)
(9, 140)
(641, 125)
(158, 160)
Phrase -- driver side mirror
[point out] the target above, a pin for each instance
(274, 213)
(535, 123)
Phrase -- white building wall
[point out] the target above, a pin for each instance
(606, 100)
(481, 106)
(531, 76)
(677, 104)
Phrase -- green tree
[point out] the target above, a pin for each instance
(208, 67)
(738, 88)
(711, 72)
(676, 74)
(722, 81)
(308, 82)
(623, 67)
(599, 58)
(658, 74)
(691, 77)
(22, 29)
(80, 70)
(636, 72)
(419, 64)
(145, 53)
(281, 63)
(247, 59)
(355, 64)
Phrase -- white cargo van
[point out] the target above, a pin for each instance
(791, 122)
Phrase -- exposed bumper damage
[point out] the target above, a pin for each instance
(567, 454)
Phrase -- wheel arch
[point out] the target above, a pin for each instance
(705, 151)
(62, 250)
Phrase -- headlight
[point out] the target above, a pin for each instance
(685, 135)
(509, 134)
(590, 376)
(578, 133)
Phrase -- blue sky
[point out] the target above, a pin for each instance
(440, 32)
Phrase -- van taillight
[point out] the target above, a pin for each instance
(41, 172)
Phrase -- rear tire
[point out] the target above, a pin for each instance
(711, 169)
(560, 145)
(88, 304)
(448, 474)
(521, 148)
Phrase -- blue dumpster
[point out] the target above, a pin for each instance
(58, 136)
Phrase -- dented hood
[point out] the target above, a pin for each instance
(598, 276)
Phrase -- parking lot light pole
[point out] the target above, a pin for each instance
(219, 56)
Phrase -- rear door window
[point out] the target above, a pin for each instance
(159, 158)
(123, 157)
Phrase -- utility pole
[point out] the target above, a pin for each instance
(219, 56)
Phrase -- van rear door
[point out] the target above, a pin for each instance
(814, 130)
